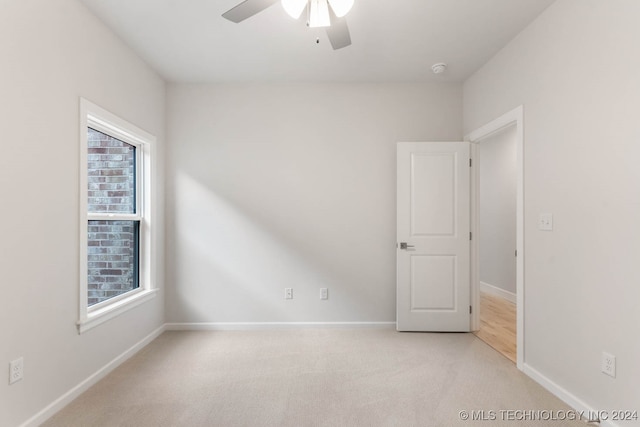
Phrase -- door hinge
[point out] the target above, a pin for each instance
(516, 252)
(470, 162)
(470, 310)
(470, 235)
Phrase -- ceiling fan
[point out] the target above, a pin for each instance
(320, 13)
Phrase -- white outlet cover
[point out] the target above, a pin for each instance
(609, 364)
(545, 222)
(16, 370)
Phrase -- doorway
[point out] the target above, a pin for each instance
(497, 221)
(497, 236)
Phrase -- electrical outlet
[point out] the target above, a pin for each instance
(545, 222)
(16, 370)
(609, 364)
(324, 293)
(288, 293)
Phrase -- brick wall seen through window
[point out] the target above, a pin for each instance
(112, 245)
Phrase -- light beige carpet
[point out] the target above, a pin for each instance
(331, 377)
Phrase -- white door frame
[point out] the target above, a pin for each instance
(513, 117)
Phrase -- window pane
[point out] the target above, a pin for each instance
(112, 259)
(112, 174)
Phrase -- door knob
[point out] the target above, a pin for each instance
(405, 246)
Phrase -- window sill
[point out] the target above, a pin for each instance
(100, 316)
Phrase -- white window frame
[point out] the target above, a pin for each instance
(95, 117)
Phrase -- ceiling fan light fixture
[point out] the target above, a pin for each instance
(319, 14)
(341, 7)
(294, 7)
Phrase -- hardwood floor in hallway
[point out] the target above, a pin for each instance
(498, 324)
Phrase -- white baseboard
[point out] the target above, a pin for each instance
(570, 399)
(499, 292)
(39, 418)
(247, 326)
(76, 391)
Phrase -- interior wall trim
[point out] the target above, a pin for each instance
(514, 117)
(83, 386)
(567, 397)
(497, 291)
(247, 326)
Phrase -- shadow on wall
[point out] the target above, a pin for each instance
(232, 263)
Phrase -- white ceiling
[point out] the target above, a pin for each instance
(393, 40)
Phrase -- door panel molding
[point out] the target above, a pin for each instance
(433, 255)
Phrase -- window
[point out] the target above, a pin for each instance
(113, 240)
(115, 228)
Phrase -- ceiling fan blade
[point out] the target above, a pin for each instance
(247, 9)
(338, 32)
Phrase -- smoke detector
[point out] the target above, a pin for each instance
(438, 68)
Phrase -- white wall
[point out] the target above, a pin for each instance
(52, 53)
(290, 186)
(498, 189)
(576, 70)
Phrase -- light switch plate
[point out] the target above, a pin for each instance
(545, 222)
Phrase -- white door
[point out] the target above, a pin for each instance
(433, 231)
